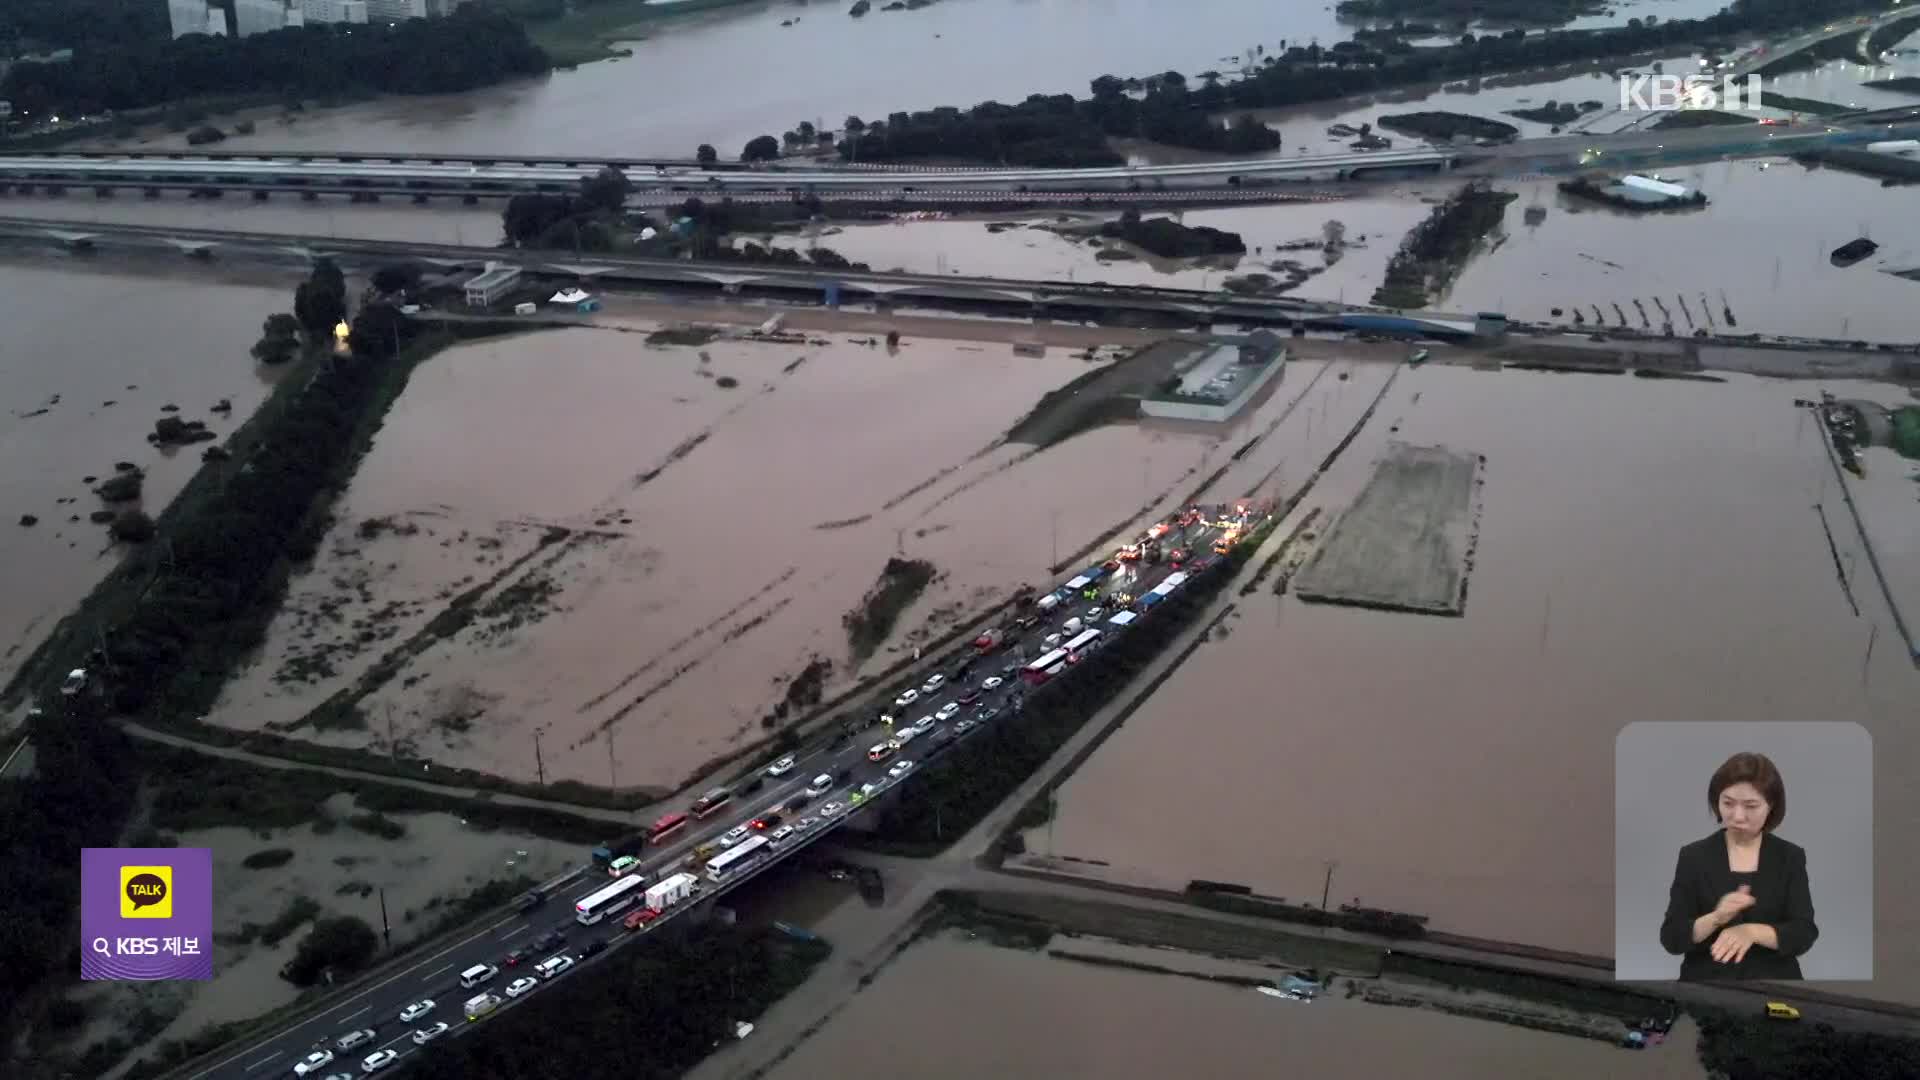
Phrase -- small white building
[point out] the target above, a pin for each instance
(1665, 189)
(492, 285)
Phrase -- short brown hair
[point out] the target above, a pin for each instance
(1755, 769)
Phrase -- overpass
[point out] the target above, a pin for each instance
(1766, 55)
(273, 172)
(789, 283)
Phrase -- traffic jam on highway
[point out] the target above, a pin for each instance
(651, 875)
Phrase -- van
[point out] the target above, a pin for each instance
(1048, 602)
(880, 752)
(481, 1006)
(1778, 1011)
(1073, 625)
(477, 974)
(354, 1038)
(903, 736)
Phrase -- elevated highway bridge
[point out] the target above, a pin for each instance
(1064, 299)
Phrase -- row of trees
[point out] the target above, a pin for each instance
(1437, 247)
(469, 49)
(319, 305)
(1059, 130)
(584, 221)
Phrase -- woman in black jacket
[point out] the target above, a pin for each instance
(1740, 906)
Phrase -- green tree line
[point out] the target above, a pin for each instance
(469, 49)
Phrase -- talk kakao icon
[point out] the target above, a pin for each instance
(146, 913)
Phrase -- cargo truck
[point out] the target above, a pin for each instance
(988, 641)
(666, 894)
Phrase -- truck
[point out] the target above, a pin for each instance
(478, 1007)
(1048, 602)
(989, 641)
(1072, 626)
(660, 897)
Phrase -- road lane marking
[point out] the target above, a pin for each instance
(521, 929)
(351, 1015)
(395, 1039)
(263, 1061)
(434, 972)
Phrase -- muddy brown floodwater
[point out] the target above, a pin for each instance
(89, 362)
(954, 1007)
(1648, 551)
(716, 536)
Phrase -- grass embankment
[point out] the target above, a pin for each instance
(980, 772)
(1556, 112)
(190, 791)
(1755, 1048)
(1698, 118)
(589, 32)
(682, 996)
(1436, 249)
(1799, 104)
(1905, 84)
(869, 625)
(1444, 126)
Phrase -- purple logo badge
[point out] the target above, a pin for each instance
(146, 913)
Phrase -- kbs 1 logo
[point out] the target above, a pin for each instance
(1668, 93)
(146, 913)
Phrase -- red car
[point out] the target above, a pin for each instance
(513, 958)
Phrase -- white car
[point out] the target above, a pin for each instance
(934, 682)
(76, 682)
(428, 1034)
(521, 986)
(806, 823)
(313, 1062)
(925, 724)
(869, 790)
(821, 785)
(781, 767)
(907, 698)
(948, 710)
(831, 809)
(994, 682)
(553, 966)
(1095, 612)
(416, 1010)
(900, 768)
(780, 835)
(378, 1060)
(735, 835)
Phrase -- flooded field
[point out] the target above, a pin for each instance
(1043, 247)
(627, 553)
(93, 358)
(444, 222)
(344, 870)
(1648, 549)
(1759, 249)
(1013, 1012)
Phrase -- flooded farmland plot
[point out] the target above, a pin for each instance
(1021, 1012)
(84, 378)
(645, 555)
(1648, 549)
(1284, 241)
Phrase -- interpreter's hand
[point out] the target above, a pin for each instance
(1732, 904)
(1732, 944)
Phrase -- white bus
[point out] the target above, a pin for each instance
(734, 857)
(1082, 641)
(1037, 671)
(593, 908)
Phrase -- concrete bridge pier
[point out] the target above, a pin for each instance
(309, 196)
(262, 195)
(103, 192)
(153, 193)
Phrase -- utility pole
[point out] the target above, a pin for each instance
(538, 764)
(1327, 888)
(393, 748)
(1056, 542)
(613, 779)
(386, 930)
